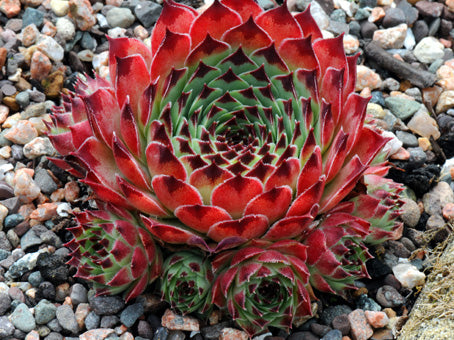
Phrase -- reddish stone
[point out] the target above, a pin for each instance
(3, 53)
(232, 334)
(376, 319)
(448, 211)
(72, 191)
(175, 322)
(44, 212)
(10, 8)
(40, 66)
(82, 13)
(360, 329)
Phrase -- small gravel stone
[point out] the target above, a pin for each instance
(5, 303)
(428, 50)
(29, 240)
(67, 319)
(92, 321)
(32, 16)
(23, 265)
(333, 335)
(388, 296)
(376, 319)
(408, 275)
(106, 305)
(130, 314)
(45, 311)
(6, 327)
(78, 294)
(173, 321)
(109, 321)
(147, 12)
(120, 17)
(401, 107)
(341, 323)
(366, 303)
(54, 336)
(360, 329)
(22, 318)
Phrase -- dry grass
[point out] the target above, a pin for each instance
(432, 317)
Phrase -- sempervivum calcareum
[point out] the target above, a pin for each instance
(236, 125)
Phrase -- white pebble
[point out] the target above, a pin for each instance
(408, 275)
(64, 209)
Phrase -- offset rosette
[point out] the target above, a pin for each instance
(113, 251)
(264, 284)
(380, 203)
(337, 256)
(237, 124)
(186, 282)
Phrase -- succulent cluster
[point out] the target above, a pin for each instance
(237, 137)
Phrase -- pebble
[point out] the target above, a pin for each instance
(393, 17)
(410, 212)
(367, 78)
(6, 327)
(388, 296)
(131, 313)
(445, 101)
(59, 7)
(232, 334)
(408, 275)
(65, 28)
(402, 108)
(10, 8)
(428, 50)
(393, 37)
(22, 318)
(67, 319)
(173, 321)
(81, 313)
(106, 305)
(147, 13)
(32, 16)
(82, 13)
(92, 320)
(423, 124)
(24, 187)
(22, 133)
(96, 334)
(45, 311)
(120, 17)
(360, 329)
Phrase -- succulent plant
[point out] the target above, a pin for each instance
(237, 124)
(264, 284)
(112, 249)
(237, 132)
(186, 282)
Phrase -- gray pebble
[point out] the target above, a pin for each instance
(366, 303)
(32, 16)
(44, 312)
(420, 30)
(394, 17)
(338, 15)
(35, 279)
(4, 243)
(78, 294)
(5, 303)
(54, 336)
(332, 312)
(411, 13)
(435, 65)
(12, 204)
(407, 139)
(109, 321)
(4, 254)
(13, 220)
(22, 318)
(161, 334)
(22, 265)
(45, 182)
(54, 325)
(106, 305)
(67, 319)
(367, 3)
(3, 140)
(176, 335)
(34, 110)
(37, 96)
(388, 296)
(361, 14)
(6, 191)
(401, 107)
(92, 320)
(147, 12)
(8, 89)
(130, 314)
(23, 99)
(120, 17)
(355, 28)
(29, 240)
(334, 334)
(6, 327)
(88, 42)
(417, 156)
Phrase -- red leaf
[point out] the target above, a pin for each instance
(127, 231)
(171, 54)
(311, 171)
(368, 145)
(138, 288)
(298, 53)
(207, 178)
(235, 193)
(80, 132)
(215, 20)
(279, 24)
(246, 8)
(139, 262)
(123, 277)
(353, 114)
(98, 158)
(304, 203)
(248, 227)
(173, 234)
(273, 203)
(173, 192)
(106, 194)
(132, 79)
(129, 130)
(288, 227)
(247, 270)
(285, 174)
(335, 157)
(342, 184)
(103, 114)
(201, 217)
(331, 90)
(330, 53)
(209, 48)
(247, 35)
(123, 47)
(120, 250)
(308, 24)
(175, 17)
(128, 165)
(141, 200)
(162, 161)
(62, 142)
